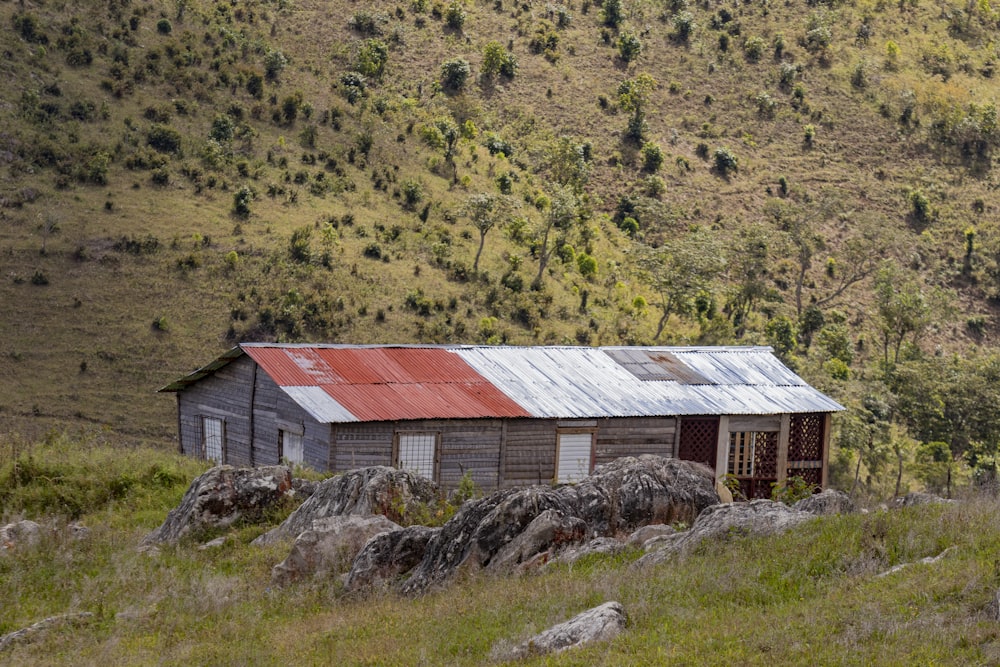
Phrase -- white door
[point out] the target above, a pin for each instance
(575, 456)
(417, 453)
(291, 447)
(212, 429)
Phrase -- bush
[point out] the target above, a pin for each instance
(163, 27)
(498, 60)
(652, 157)
(373, 54)
(725, 162)
(920, 207)
(455, 15)
(683, 27)
(242, 200)
(274, 63)
(164, 139)
(587, 265)
(629, 46)
(413, 194)
(454, 73)
(612, 13)
(753, 48)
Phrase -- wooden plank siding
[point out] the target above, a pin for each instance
(361, 445)
(530, 452)
(634, 436)
(224, 395)
(274, 410)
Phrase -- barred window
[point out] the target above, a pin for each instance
(417, 452)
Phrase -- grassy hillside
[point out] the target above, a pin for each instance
(180, 176)
(811, 596)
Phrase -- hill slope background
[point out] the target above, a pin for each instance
(179, 176)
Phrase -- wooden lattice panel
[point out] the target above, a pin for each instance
(805, 437)
(766, 456)
(699, 440)
(812, 476)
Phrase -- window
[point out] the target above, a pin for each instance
(742, 447)
(290, 447)
(417, 452)
(213, 439)
(574, 456)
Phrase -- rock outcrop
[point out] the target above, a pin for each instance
(758, 517)
(329, 546)
(830, 501)
(220, 497)
(598, 624)
(362, 492)
(19, 534)
(387, 556)
(499, 532)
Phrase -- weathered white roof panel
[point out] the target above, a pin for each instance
(320, 405)
(573, 382)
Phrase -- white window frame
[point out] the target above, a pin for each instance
(213, 439)
(418, 452)
(742, 448)
(575, 450)
(291, 447)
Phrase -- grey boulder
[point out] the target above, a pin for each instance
(362, 492)
(220, 497)
(329, 546)
(600, 623)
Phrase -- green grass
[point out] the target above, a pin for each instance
(810, 596)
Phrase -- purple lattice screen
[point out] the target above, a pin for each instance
(699, 440)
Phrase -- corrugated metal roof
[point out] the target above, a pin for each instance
(343, 383)
(385, 384)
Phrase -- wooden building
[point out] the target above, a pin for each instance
(507, 416)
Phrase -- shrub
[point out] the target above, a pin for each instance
(612, 13)
(454, 73)
(920, 207)
(163, 27)
(498, 60)
(354, 85)
(683, 27)
(652, 157)
(809, 134)
(274, 62)
(629, 46)
(164, 139)
(725, 161)
(753, 48)
(223, 128)
(413, 193)
(242, 199)
(587, 265)
(373, 54)
(455, 15)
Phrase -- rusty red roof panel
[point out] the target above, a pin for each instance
(383, 384)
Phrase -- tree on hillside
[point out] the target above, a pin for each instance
(679, 272)
(748, 271)
(561, 213)
(486, 212)
(955, 401)
(902, 308)
(633, 94)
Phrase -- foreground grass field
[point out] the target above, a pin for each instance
(809, 597)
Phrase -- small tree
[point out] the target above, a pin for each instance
(725, 161)
(652, 157)
(612, 13)
(274, 63)
(486, 211)
(454, 74)
(373, 54)
(629, 46)
(242, 199)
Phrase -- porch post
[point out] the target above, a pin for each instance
(722, 448)
(783, 431)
